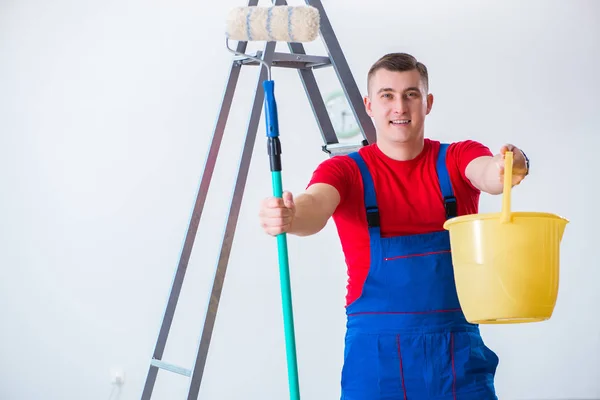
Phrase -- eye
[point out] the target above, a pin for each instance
(387, 95)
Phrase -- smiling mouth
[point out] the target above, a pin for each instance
(400, 122)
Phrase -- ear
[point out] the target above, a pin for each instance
(367, 102)
(429, 102)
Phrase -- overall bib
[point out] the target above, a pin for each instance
(407, 338)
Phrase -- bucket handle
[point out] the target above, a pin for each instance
(508, 163)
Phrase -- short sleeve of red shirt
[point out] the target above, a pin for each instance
(341, 172)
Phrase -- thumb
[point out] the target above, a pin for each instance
(288, 199)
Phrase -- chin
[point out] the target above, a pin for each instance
(401, 136)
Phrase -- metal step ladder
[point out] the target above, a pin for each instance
(305, 64)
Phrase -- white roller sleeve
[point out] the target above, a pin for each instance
(273, 24)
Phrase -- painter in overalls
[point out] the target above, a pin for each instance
(407, 337)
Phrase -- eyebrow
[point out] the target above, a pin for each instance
(387, 89)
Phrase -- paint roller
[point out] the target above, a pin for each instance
(272, 24)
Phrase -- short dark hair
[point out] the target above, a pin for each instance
(399, 62)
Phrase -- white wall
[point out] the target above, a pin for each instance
(106, 112)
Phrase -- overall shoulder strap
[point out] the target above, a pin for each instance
(445, 183)
(369, 190)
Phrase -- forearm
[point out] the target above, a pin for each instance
(487, 178)
(309, 218)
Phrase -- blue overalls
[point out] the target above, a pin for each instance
(407, 337)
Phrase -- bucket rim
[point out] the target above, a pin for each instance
(489, 216)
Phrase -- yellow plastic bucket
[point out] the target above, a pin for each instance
(506, 265)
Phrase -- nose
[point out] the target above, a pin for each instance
(400, 105)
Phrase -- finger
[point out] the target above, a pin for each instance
(275, 223)
(273, 228)
(516, 152)
(275, 202)
(506, 147)
(517, 179)
(500, 164)
(274, 231)
(277, 220)
(288, 199)
(275, 213)
(520, 158)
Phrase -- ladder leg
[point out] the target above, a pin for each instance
(350, 88)
(228, 236)
(339, 63)
(315, 98)
(194, 222)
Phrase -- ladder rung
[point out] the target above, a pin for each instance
(337, 149)
(288, 60)
(171, 367)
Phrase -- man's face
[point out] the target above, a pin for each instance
(398, 103)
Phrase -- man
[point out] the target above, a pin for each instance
(407, 337)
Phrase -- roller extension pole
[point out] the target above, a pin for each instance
(274, 150)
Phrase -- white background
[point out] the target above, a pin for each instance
(106, 113)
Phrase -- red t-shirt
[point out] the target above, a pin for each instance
(408, 196)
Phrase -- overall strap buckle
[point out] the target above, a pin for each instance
(450, 206)
(373, 220)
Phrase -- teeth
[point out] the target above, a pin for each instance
(401, 121)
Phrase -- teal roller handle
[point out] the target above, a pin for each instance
(274, 148)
